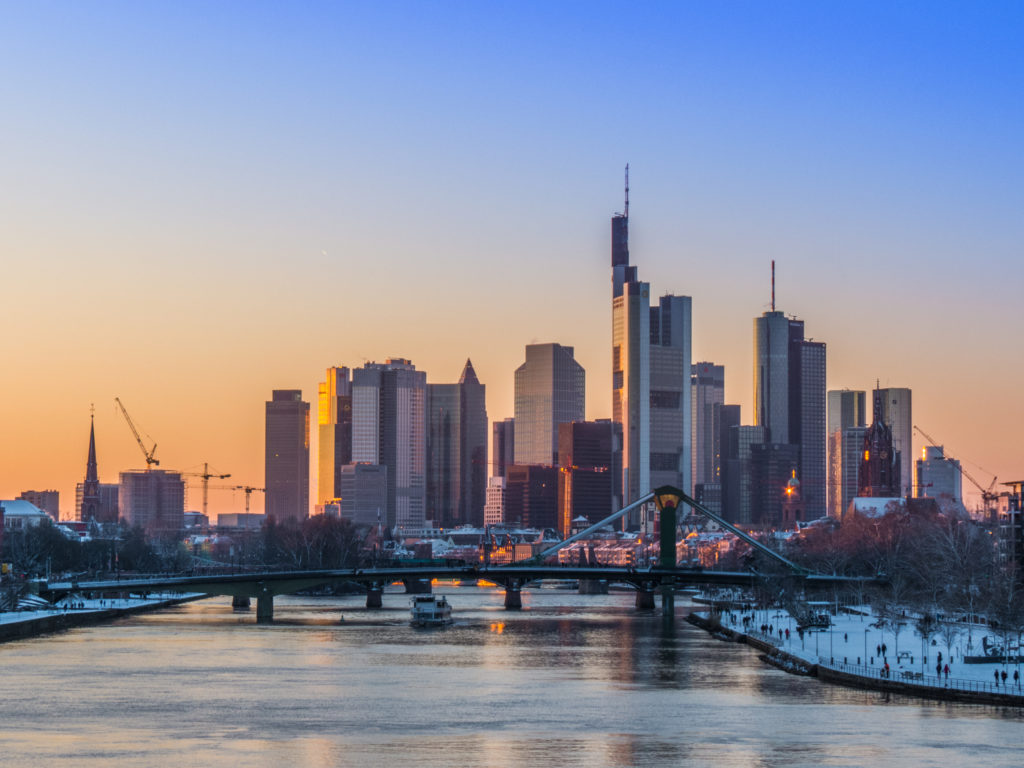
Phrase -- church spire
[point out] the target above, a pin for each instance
(91, 487)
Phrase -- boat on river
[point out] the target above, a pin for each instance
(430, 611)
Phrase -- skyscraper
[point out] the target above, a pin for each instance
(671, 428)
(389, 427)
(896, 412)
(286, 458)
(707, 390)
(503, 447)
(846, 429)
(457, 451)
(585, 482)
(334, 427)
(631, 365)
(550, 388)
(789, 399)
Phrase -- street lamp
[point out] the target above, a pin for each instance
(866, 629)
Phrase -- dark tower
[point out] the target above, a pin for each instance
(879, 475)
(91, 486)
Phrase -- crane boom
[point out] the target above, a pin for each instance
(150, 460)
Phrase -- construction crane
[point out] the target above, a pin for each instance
(206, 475)
(248, 492)
(150, 460)
(987, 494)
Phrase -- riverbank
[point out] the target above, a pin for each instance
(782, 653)
(18, 625)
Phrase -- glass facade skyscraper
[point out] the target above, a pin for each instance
(334, 432)
(550, 389)
(286, 464)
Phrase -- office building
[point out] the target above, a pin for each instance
(334, 432)
(896, 412)
(631, 366)
(154, 500)
(772, 466)
(494, 507)
(846, 409)
(531, 496)
(389, 427)
(503, 446)
(364, 493)
(845, 447)
(585, 479)
(725, 417)
(671, 427)
(940, 478)
(789, 399)
(457, 451)
(740, 493)
(286, 456)
(550, 388)
(707, 387)
(48, 501)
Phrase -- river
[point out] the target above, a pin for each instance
(572, 680)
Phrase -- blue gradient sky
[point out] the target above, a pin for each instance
(202, 202)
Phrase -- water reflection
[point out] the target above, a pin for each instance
(570, 681)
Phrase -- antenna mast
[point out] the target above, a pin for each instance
(626, 212)
(773, 285)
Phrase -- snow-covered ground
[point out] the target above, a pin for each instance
(80, 605)
(853, 643)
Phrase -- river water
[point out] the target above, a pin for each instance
(572, 680)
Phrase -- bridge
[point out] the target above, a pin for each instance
(263, 586)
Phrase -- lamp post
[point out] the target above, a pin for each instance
(866, 645)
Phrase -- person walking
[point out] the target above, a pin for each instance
(1004, 677)
(995, 674)
(946, 670)
(1016, 678)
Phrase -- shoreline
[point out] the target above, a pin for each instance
(61, 621)
(793, 664)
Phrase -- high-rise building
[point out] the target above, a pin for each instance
(494, 507)
(364, 493)
(740, 493)
(671, 427)
(939, 477)
(457, 451)
(48, 501)
(844, 454)
(789, 399)
(725, 417)
(585, 482)
(707, 390)
(153, 499)
(286, 457)
(846, 427)
(550, 388)
(896, 412)
(631, 365)
(531, 495)
(772, 466)
(334, 432)
(389, 427)
(503, 446)
(846, 409)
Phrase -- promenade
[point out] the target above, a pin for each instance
(854, 651)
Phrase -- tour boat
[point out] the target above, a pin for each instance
(430, 611)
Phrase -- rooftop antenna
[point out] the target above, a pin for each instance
(773, 285)
(626, 212)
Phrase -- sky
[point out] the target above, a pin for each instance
(203, 202)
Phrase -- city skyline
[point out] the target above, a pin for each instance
(174, 222)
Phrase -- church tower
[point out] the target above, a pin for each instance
(91, 486)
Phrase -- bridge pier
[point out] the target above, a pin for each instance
(513, 597)
(241, 603)
(418, 587)
(668, 600)
(645, 598)
(375, 596)
(593, 587)
(265, 609)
